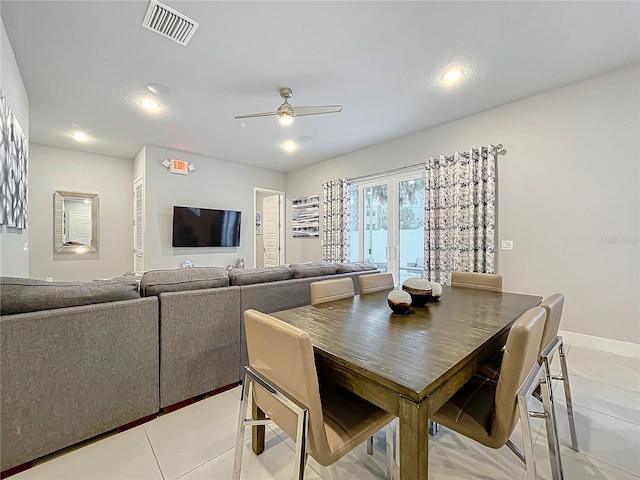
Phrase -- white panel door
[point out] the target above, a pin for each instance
(80, 227)
(271, 230)
(138, 230)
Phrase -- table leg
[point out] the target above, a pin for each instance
(257, 434)
(414, 440)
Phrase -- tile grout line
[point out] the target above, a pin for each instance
(154, 454)
(571, 375)
(563, 403)
(204, 463)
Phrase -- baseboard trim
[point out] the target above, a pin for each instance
(627, 349)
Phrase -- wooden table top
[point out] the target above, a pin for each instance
(410, 354)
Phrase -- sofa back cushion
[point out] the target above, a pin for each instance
(22, 295)
(317, 269)
(355, 267)
(155, 282)
(249, 276)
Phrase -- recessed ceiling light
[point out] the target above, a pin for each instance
(150, 105)
(158, 88)
(289, 146)
(80, 136)
(452, 76)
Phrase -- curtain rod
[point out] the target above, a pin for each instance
(500, 150)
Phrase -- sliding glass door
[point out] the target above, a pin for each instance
(387, 224)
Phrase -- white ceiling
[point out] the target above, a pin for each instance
(87, 62)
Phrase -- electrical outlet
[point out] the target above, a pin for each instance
(507, 244)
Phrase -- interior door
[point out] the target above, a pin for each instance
(271, 225)
(80, 227)
(138, 230)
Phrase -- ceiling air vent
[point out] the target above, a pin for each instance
(169, 23)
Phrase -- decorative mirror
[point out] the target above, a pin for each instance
(75, 222)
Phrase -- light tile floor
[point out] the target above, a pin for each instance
(197, 442)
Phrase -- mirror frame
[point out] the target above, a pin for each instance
(58, 240)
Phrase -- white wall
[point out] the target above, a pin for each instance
(111, 178)
(214, 184)
(14, 256)
(568, 195)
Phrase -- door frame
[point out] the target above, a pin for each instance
(281, 194)
(393, 225)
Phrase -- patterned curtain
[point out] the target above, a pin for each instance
(336, 220)
(460, 214)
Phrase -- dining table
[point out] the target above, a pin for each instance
(406, 364)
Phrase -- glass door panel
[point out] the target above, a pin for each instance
(354, 223)
(411, 228)
(374, 220)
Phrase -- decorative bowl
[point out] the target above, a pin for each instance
(436, 291)
(419, 289)
(399, 301)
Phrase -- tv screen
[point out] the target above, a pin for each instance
(205, 227)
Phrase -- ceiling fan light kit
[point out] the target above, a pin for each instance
(286, 111)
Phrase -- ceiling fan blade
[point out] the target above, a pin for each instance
(303, 111)
(253, 115)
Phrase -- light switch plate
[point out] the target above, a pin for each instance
(507, 244)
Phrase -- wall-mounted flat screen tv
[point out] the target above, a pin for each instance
(205, 227)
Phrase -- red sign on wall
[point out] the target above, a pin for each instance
(179, 166)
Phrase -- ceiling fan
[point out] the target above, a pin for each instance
(286, 111)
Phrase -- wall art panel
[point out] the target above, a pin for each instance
(13, 171)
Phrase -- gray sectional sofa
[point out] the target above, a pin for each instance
(82, 358)
(76, 360)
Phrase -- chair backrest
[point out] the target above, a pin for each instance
(481, 281)
(376, 282)
(283, 354)
(553, 305)
(521, 353)
(328, 290)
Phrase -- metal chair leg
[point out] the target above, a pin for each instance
(237, 459)
(567, 394)
(301, 445)
(434, 428)
(550, 421)
(527, 439)
(370, 445)
(388, 437)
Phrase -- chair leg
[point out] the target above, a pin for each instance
(396, 472)
(546, 391)
(237, 459)
(370, 445)
(301, 445)
(527, 439)
(567, 396)
(388, 436)
(434, 428)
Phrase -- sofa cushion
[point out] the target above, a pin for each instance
(155, 282)
(355, 267)
(241, 276)
(22, 295)
(318, 269)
